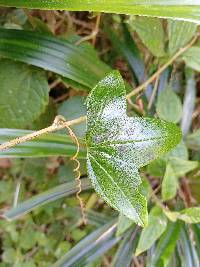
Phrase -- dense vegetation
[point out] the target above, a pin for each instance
(127, 90)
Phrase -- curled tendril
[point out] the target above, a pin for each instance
(61, 120)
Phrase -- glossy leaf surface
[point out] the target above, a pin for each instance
(118, 145)
(53, 54)
(187, 9)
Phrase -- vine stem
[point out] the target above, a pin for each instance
(58, 124)
(161, 69)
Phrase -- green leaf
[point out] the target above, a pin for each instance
(173, 110)
(118, 145)
(181, 167)
(123, 224)
(191, 58)
(157, 168)
(124, 254)
(166, 245)
(53, 54)
(189, 256)
(74, 108)
(169, 184)
(150, 31)
(57, 192)
(193, 140)
(156, 226)
(190, 215)
(44, 146)
(186, 9)
(23, 94)
(180, 33)
(180, 151)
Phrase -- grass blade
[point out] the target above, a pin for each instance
(55, 193)
(186, 9)
(90, 247)
(53, 54)
(45, 146)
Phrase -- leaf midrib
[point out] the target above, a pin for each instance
(114, 143)
(112, 180)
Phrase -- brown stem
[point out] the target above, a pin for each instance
(58, 124)
(161, 69)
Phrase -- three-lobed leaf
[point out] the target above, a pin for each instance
(119, 145)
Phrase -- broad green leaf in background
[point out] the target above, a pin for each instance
(118, 145)
(181, 167)
(44, 146)
(180, 151)
(190, 215)
(157, 167)
(166, 245)
(191, 58)
(156, 226)
(169, 106)
(186, 9)
(23, 94)
(180, 33)
(169, 184)
(54, 54)
(73, 108)
(193, 140)
(150, 31)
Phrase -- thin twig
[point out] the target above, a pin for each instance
(161, 69)
(93, 33)
(58, 124)
(96, 29)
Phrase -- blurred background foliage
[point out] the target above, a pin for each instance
(137, 46)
